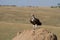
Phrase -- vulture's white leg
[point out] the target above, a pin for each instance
(36, 26)
(33, 26)
(33, 29)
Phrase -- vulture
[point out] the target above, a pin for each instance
(35, 21)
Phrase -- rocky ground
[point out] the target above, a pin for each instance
(38, 34)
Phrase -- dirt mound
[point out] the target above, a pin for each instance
(38, 34)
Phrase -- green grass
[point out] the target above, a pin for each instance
(15, 19)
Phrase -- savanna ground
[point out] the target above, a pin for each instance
(15, 19)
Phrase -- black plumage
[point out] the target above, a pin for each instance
(35, 21)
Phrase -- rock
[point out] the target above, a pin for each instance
(38, 34)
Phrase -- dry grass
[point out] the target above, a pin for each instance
(9, 30)
(14, 19)
(48, 16)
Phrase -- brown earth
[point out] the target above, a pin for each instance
(38, 34)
